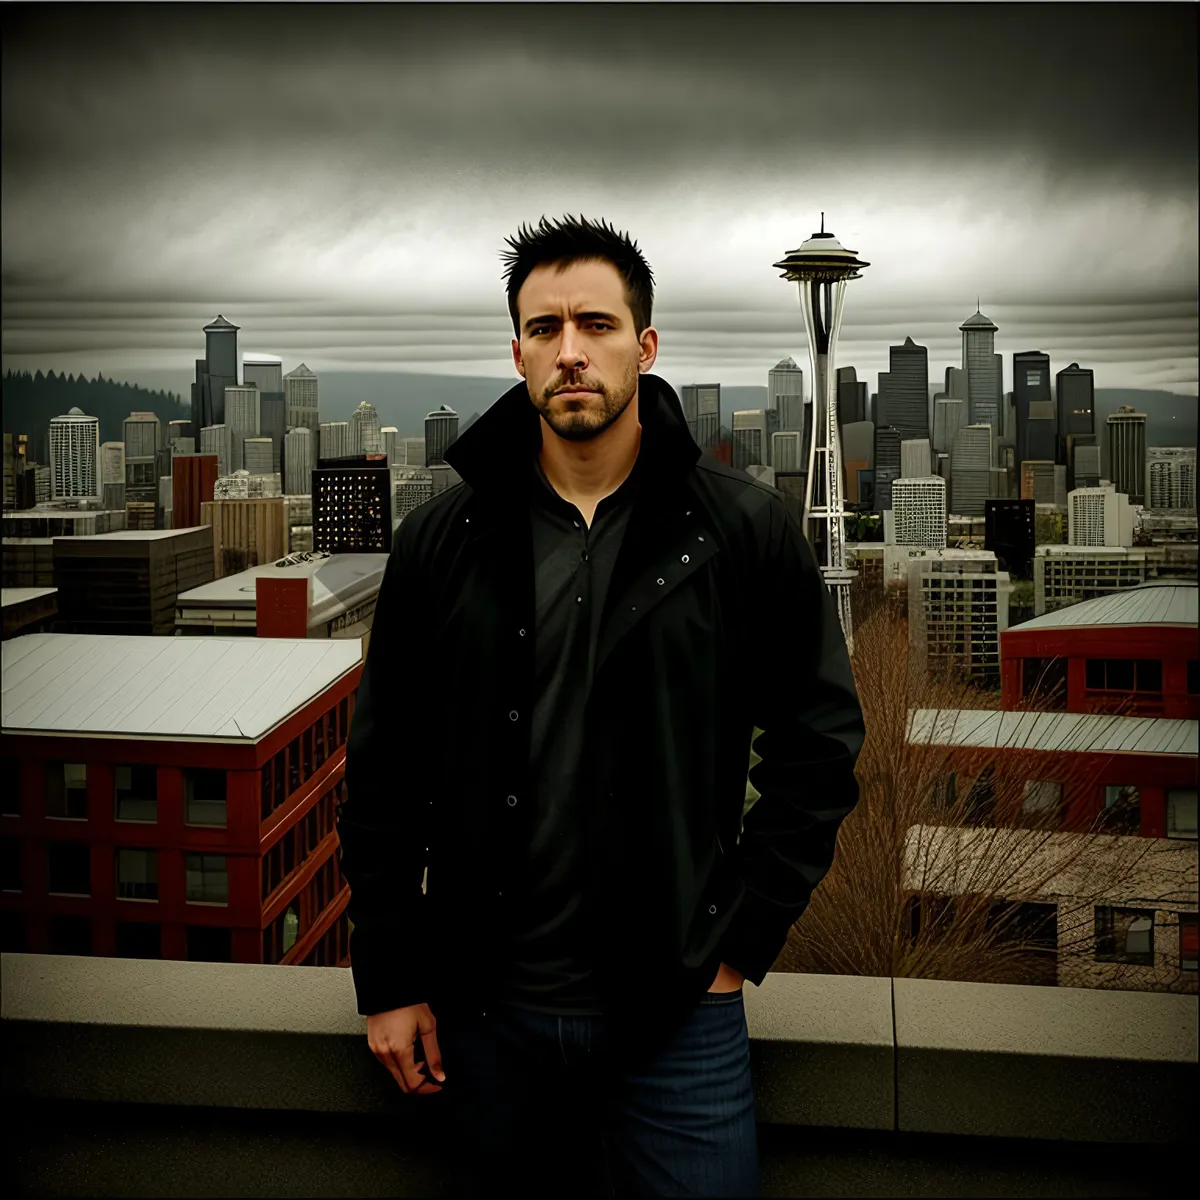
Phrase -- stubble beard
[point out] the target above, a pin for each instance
(582, 425)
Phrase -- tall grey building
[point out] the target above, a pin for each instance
(919, 511)
(300, 395)
(786, 450)
(265, 371)
(390, 444)
(257, 456)
(904, 390)
(413, 452)
(916, 459)
(887, 465)
(984, 373)
(970, 470)
(216, 371)
(1075, 395)
(1127, 453)
(300, 455)
(241, 415)
(1037, 435)
(364, 430)
(956, 386)
(143, 440)
(335, 440)
(749, 438)
(218, 440)
(1083, 463)
(441, 432)
(852, 397)
(785, 394)
(702, 411)
(1171, 471)
(949, 416)
(75, 456)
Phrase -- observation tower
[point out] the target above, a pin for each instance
(822, 267)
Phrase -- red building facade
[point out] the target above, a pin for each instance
(180, 848)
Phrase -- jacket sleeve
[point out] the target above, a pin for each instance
(812, 731)
(383, 821)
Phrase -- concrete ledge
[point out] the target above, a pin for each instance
(976, 1059)
(1032, 1062)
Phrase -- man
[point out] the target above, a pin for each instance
(571, 650)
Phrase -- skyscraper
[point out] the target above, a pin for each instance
(1075, 393)
(1083, 461)
(970, 470)
(1172, 477)
(822, 267)
(216, 371)
(904, 391)
(887, 465)
(364, 430)
(218, 440)
(241, 415)
(390, 444)
(916, 460)
(1009, 533)
(1127, 453)
(300, 457)
(785, 394)
(852, 397)
(75, 456)
(982, 365)
(441, 432)
(300, 394)
(949, 416)
(919, 511)
(749, 438)
(785, 450)
(702, 411)
(1034, 405)
(1099, 517)
(334, 440)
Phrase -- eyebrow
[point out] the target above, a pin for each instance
(552, 319)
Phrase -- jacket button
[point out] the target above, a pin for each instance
(684, 558)
(660, 583)
(712, 908)
(512, 716)
(700, 538)
(521, 632)
(511, 800)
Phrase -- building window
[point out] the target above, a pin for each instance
(69, 869)
(1122, 808)
(205, 790)
(69, 935)
(1044, 680)
(139, 939)
(10, 787)
(1181, 813)
(1193, 677)
(1187, 941)
(10, 864)
(137, 874)
(1125, 935)
(1041, 796)
(136, 790)
(207, 879)
(66, 791)
(209, 943)
(1123, 675)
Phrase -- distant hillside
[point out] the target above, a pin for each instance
(30, 401)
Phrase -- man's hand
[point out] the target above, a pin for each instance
(392, 1035)
(727, 980)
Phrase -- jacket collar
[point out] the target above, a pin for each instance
(510, 432)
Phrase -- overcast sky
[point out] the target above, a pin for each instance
(339, 180)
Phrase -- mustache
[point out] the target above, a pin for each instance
(578, 386)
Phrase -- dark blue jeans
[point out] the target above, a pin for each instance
(531, 1101)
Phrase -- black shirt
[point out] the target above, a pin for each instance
(550, 969)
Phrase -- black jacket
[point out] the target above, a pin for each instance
(716, 622)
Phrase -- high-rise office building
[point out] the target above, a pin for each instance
(749, 438)
(412, 452)
(785, 394)
(300, 457)
(334, 440)
(904, 391)
(949, 416)
(1171, 471)
(411, 487)
(364, 430)
(1127, 453)
(112, 475)
(143, 440)
(852, 397)
(916, 458)
(887, 465)
(785, 451)
(300, 395)
(441, 432)
(75, 456)
(1038, 481)
(265, 372)
(983, 367)
(389, 444)
(216, 371)
(352, 507)
(241, 415)
(218, 440)
(1099, 517)
(702, 411)
(919, 511)
(956, 385)
(1082, 456)
(193, 481)
(1075, 395)
(1034, 406)
(970, 470)
(257, 457)
(1009, 533)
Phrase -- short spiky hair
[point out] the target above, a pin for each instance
(572, 240)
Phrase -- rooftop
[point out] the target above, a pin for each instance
(1159, 602)
(165, 687)
(135, 535)
(1052, 731)
(11, 597)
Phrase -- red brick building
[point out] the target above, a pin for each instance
(193, 477)
(175, 797)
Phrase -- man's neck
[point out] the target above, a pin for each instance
(583, 473)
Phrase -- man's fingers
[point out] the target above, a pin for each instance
(433, 1055)
(410, 1072)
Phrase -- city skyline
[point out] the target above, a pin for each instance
(348, 207)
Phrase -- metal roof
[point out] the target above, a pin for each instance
(14, 596)
(132, 535)
(166, 687)
(1051, 731)
(1166, 602)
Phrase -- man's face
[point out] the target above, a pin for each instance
(577, 333)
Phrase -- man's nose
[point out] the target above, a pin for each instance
(570, 349)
